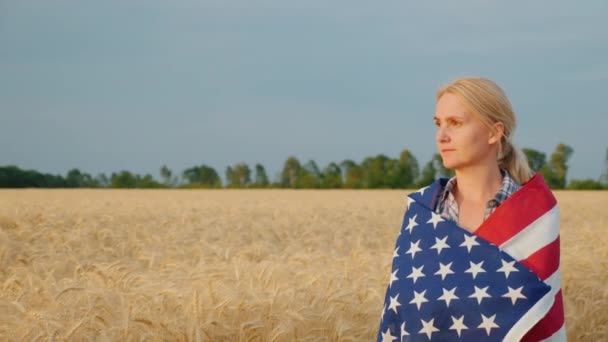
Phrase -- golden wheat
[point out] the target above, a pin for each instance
(235, 265)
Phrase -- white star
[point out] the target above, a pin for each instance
(448, 296)
(395, 252)
(507, 268)
(514, 294)
(394, 303)
(409, 202)
(382, 313)
(419, 298)
(414, 249)
(480, 294)
(444, 270)
(469, 242)
(416, 273)
(440, 244)
(488, 323)
(403, 332)
(387, 336)
(475, 268)
(428, 328)
(411, 223)
(421, 191)
(435, 219)
(393, 278)
(458, 324)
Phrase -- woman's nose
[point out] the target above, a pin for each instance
(442, 135)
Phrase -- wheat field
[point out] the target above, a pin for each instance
(235, 265)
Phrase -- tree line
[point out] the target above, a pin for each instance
(373, 172)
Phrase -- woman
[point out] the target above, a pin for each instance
(478, 254)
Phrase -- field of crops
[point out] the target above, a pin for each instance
(235, 265)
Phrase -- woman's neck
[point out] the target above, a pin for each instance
(478, 183)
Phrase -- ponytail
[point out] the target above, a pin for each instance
(514, 161)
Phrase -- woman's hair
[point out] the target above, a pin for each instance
(489, 104)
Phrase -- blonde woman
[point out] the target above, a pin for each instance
(477, 258)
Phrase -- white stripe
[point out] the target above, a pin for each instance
(555, 282)
(559, 336)
(535, 236)
(530, 318)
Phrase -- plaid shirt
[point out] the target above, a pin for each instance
(448, 208)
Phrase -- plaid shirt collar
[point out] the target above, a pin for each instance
(509, 186)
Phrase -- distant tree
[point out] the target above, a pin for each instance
(310, 176)
(167, 177)
(202, 176)
(102, 180)
(536, 159)
(556, 171)
(585, 184)
(123, 179)
(604, 176)
(428, 174)
(352, 174)
(375, 171)
(261, 179)
(403, 172)
(291, 173)
(332, 176)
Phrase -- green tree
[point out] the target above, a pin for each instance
(167, 177)
(585, 184)
(291, 173)
(261, 179)
(202, 176)
(375, 171)
(556, 171)
(352, 174)
(536, 159)
(604, 176)
(123, 179)
(402, 173)
(428, 174)
(332, 176)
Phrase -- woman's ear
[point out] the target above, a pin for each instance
(496, 135)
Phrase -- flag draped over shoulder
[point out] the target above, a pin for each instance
(501, 283)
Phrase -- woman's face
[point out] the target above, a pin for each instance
(461, 140)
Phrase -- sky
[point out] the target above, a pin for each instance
(111, 85)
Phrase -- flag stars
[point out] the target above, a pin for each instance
(514, 294)
(444, 270)
(488, 323)
(411, 223)
(419, 298)
(475, 268)
(393, 278)
(414, 248)
(403, 332)
(428, 328)
(507, 268)
(435, 219)
(394, 303)
(480, 294)
(416, 273)
(448, 296)
(395, 254)
(421, 191)
(458, 324)
(469, 242)
(440, 244)
(387, 336)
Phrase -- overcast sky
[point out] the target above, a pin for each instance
(111, 85)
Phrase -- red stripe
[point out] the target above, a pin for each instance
(545, 261)
(550, 324)
(529, 203)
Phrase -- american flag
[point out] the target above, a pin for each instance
(499, 284)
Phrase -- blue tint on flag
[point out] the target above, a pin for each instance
(446, 284)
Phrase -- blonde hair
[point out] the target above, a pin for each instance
(489, 104)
